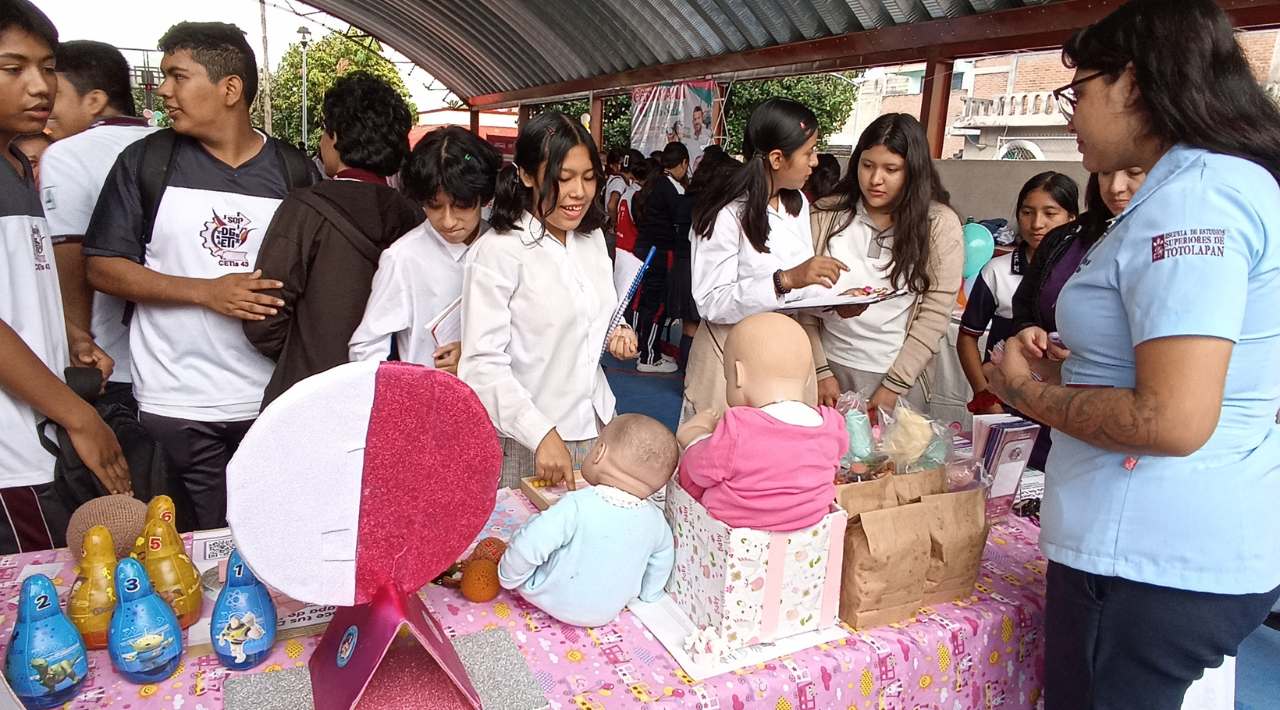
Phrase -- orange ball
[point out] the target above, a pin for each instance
(480, 580)
(490, 548)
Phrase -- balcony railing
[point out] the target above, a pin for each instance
(1032, 108)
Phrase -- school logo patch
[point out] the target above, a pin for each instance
(38, 250)
(225, 236)
(1189, 242)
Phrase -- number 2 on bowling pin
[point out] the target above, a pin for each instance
(42, 602)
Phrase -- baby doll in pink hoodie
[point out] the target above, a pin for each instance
(770, 461)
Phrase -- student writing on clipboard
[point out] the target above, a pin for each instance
(419, 280)
(538, 298)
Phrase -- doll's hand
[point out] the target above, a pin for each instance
(698, 426)
(552, 462)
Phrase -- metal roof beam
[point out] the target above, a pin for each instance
(1034, 27)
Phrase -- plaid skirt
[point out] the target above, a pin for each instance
(518, 462)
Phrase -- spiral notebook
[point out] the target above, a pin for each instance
(628, 272)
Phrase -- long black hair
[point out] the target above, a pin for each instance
(1061, 188)
(1195, 83)
(776, 124)
(903, 135)
(673, 154)
(1093, 221)
(544, 142)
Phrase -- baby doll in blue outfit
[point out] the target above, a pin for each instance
(583, 559)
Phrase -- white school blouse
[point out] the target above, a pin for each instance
(731, 280)
(418, 276)
(535, 313)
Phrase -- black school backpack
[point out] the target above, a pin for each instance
(158, 149)
(74, 483)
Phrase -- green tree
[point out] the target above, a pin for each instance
(830, 98)
(617, 117)
(327, 59)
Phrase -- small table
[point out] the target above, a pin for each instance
(985, 652)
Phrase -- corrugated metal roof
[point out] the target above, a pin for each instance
(479, 47)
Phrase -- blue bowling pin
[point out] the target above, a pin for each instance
(145, 641)
(243, 626)
(46, 663)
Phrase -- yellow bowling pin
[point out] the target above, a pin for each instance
(93, 594)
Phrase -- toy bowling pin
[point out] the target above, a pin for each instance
(243, 626)
(145, 641)
(46, 663)
(93, 595)
(171, 571)
(160, 508)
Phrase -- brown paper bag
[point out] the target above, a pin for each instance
(866, 496)
(886, 560)
(913, 486)
(958, 535)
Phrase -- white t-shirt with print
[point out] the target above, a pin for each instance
(31, 304)
(72, 172)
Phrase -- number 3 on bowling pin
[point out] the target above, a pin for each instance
(131, 585)
(42, 602)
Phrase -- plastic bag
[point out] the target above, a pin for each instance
(858, 426)
(913, 441)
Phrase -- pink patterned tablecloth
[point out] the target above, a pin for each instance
(982, 653)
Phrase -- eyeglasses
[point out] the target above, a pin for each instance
(1066, 96)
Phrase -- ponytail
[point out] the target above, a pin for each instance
(510, 200)
(776, 124)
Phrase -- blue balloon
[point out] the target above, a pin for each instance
(243, 626)
(145, 640)
(979, 246)
(46, 663)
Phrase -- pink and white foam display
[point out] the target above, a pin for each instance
(367, 474)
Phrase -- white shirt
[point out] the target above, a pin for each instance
(731, 280)
(535, 314)
(871, 341)
(418, 277)
(71, 175)
(31, 304)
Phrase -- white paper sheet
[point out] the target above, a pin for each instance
(823, 302)
(671, 626)
(625, 267)
(447, 326)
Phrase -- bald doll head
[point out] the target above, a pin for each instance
(767, 359)
(634, 453)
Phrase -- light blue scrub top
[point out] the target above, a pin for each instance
(1197, 253)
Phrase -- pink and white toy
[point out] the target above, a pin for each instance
(355, 488)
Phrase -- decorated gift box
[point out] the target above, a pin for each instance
(749, 586)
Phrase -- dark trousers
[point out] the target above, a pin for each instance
(35, 518)
(1113, 644)
(650, 314)
(198, 453)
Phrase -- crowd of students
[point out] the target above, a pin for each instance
(206, 269)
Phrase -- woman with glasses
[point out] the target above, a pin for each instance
(1159, 511)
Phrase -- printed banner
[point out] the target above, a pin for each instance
(665, 113)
